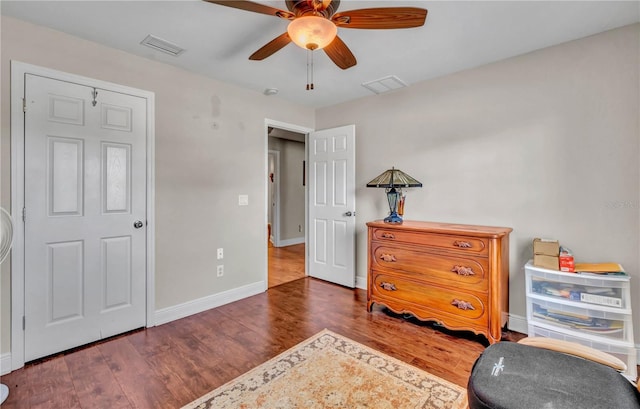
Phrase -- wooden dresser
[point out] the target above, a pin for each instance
(454, 274)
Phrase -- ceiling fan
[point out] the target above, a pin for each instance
(314, 25)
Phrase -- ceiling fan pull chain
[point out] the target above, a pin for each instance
(309, 69)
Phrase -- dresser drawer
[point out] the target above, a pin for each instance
(448, 270)
(446, 301)
(474, 245)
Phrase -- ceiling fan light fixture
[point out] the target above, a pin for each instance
(312, 32)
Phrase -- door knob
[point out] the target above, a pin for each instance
(349, 214)
(138, 224)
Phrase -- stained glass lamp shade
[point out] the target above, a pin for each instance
(393, 180)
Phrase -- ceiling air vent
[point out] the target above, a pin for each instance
(384, 84)
(162, 45)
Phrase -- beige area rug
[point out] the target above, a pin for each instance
(331, 371)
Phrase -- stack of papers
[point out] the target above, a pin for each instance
(600, 268)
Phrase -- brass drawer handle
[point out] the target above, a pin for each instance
(388, 258)
(463, 305)
(463, 271)
(388, 286)
(462, 244)
(388, 236)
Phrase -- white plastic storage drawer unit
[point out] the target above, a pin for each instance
(607, 324)
(590, 309)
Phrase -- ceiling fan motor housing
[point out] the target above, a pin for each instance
(326, 8)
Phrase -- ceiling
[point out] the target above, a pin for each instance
(218, 40)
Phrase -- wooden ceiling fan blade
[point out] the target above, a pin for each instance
(340, 54)
(254, 7)
(271, 47)
(381, 18)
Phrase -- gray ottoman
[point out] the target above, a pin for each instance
(513, 376)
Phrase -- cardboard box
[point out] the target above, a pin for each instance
(544, 261)
(547, 247)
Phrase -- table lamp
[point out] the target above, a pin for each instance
(393, 180)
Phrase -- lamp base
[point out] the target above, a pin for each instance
(393, 218)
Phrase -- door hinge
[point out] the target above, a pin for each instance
(24, 322)
(24, 214)
(94, 94)
(24, 105)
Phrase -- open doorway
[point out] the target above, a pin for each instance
(286, 213)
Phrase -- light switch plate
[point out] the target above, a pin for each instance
(243, 200)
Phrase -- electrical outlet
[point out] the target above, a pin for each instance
(220, 270)
(300, 228)
(220, 254)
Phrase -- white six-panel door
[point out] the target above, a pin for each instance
(85, 191)
(332, 205)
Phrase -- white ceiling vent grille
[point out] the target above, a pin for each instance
(162, 45)
(385, 84)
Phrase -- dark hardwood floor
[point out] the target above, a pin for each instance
(172, 364)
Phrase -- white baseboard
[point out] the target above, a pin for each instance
(290, 242)
(176, 312)
(361, 282)
(5, 363)
(518, 323)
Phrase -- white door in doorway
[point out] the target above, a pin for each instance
(274, 196)
(332, 205)
(85, 214)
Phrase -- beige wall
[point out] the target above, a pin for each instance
(546, 143)
(196, 207)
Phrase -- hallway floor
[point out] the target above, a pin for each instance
(285, 264)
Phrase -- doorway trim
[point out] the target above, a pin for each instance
(294, 128)
(18, 72)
